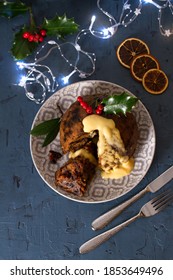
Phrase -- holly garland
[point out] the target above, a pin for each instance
(29, 36)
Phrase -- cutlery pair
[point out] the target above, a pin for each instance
(149, 209)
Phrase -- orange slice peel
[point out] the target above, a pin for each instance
(155, 81)
(129, 49)
(141, 64)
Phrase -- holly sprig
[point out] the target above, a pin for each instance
(27, 39)
(119, 103)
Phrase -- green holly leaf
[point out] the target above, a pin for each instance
(119, 103)
(12, 9)
(59, 26)
(21, 47)
(49, 128)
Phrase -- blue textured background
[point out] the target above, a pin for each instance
(37, 223)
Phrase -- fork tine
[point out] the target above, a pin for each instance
(161, 207)
(162, 200)
(161, 195)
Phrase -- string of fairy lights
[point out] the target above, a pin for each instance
(43, 76)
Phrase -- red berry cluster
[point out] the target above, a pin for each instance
(88, 108)
(36, 37)
(99, 109)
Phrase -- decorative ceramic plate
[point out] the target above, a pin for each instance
(99, 190)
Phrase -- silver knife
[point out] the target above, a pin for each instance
(154, 186)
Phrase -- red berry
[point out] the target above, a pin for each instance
(98, 112)
(89, 110)
(43, 32)
(100, 107)
(79, 99)
(84, 105)
(25, 35)
(31, 38)
(35, 40)
(41, 39)
(36, 37)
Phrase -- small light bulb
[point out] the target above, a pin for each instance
(105, 32)
(23, 80)
(148, 1)
(152, 2)
(65, 80)
(92, 22)
(20, 65)
(93, 19)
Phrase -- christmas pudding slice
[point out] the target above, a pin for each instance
(95, 137)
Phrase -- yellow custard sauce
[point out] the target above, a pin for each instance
(84, 153)
(121, 171)
(114, 164)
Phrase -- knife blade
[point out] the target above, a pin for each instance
(153, 186)
(161, 180)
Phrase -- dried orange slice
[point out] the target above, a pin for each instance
(155, 81)
(129, 49)
(141, 64)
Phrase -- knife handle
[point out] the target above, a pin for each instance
(101, 238)
(106, 218)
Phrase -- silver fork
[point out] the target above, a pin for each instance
(151, 208)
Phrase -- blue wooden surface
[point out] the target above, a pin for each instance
(37, 223)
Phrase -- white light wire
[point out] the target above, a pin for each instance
(50, 84)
